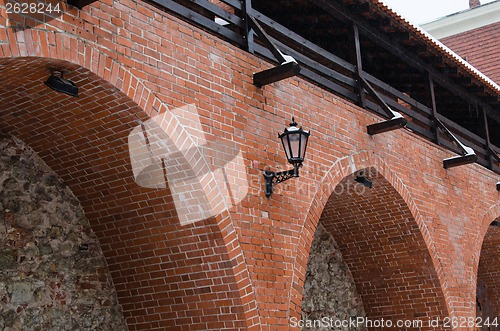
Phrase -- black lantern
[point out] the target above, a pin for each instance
(294, 142)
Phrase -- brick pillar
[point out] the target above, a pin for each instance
(474, 3)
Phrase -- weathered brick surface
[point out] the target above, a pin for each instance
(243, 269)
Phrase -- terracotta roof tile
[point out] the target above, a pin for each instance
(445, 51)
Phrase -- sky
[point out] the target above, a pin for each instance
(422, 11)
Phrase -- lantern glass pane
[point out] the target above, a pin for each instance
(294, 144)
(303, 145)
(286, 146)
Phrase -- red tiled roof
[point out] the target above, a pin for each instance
(443, 50)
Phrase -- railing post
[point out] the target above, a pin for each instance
(249, 33)
(488, 142)
(434, 109)
(356, 54)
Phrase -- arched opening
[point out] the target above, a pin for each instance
(166, 274)
(382, 246)
(488, 280)
(52, 269)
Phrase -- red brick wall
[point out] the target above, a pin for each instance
(480, 48)
(243, 269)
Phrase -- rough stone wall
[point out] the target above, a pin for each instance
(329, 289)
(52, 272)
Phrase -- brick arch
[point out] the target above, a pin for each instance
(73, 53)
(64, 47)
(486, 265)
(491, 215)
(342, 168)
(488, 276)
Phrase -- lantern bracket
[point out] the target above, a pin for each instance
(294, 141)
(272, 178)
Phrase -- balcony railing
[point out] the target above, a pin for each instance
(229, 19)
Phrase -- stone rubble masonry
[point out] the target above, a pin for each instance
(53, 275)
(329, 288)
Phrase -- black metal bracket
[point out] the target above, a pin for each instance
(396, 120)
(468, 155)
(288, 66)
(498, 186)
(272, 178)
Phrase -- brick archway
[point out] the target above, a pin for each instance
(341, 169)
(488, 283)
(491, 215)
(486, 267)
(154, 260)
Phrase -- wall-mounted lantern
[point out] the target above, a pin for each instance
(60, 84)
(294, 142)
(360, 178)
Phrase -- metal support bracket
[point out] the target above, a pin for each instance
(468, 155)
(288, 66)
(272, 178)
(396, 120)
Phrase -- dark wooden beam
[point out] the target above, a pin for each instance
(275, 74)
(80, 3)
(459, 160)
(432, 94)
(400, 36)
(356, 50)
(468, 154)
(197, 18)
(413, 60)
(359, 7)
(412, 46)
(432, 59)
(392, 124)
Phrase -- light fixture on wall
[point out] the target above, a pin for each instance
(294, 141)
(60, 84)
(360, 178)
